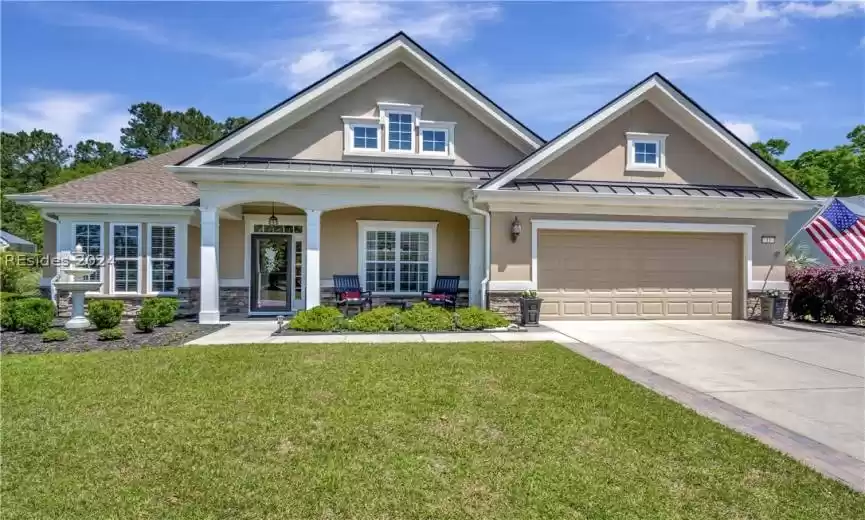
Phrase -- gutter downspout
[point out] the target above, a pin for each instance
(486, 279)
(51, 288)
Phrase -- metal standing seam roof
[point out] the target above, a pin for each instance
(634, 188)
(480, 173)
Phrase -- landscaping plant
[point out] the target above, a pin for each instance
(380, 319)
(104, 314)
(165, 309)
(9, 313)
(34, 314)
(828, 293)
(54, 335)
(147, 318)
(111, 334)
(318, 319)
(423, 317)
(475, 318)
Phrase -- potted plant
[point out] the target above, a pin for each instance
(530, 308)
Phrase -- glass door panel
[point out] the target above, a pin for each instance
(271, 277)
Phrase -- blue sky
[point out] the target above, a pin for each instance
(790, 69)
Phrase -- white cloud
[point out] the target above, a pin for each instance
(745, 131)
(747, 12)
(74, 116)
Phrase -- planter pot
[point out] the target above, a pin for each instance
(780, 308)
(767, 309)
(530, 311)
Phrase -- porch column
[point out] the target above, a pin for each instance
(476, 258)
(313, 269)
(209, 286)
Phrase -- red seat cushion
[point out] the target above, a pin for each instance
(438, 297)
(351, 295)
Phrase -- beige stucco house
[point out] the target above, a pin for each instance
(396, 169)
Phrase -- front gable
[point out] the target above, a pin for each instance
(604, 155)
(327, 134)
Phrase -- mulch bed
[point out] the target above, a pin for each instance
(177, 333)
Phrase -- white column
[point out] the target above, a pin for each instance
(209, 287)
(476, 258)
(313, 268)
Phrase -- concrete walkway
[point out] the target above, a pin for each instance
(244, 332)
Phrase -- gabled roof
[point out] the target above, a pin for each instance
(398, 48)
(141, 182)
(750, 163)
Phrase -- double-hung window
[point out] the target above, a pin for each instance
(400, 131)
(125, 251)
(163, 258)
(89, 237)
(646, 151)
(397, 257)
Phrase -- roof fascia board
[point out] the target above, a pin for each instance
(606, 210)
(114, 209)
(572, 136)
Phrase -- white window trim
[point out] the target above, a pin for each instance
(446, 127)
(349, 123)
(177, 258)
(103, 270)
(386, 225)
(413, 143)
(112, 259)
(658, 140)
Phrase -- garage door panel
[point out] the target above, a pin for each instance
(623, 275)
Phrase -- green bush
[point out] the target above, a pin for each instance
(54, 335)
(9, 313)
(380, 319)
(104, 314)
(475, 318)
(34, 314)
(111, 334)
(166, 309)
(12, 271)
(423, 317)
(319, 319)
(147, 318)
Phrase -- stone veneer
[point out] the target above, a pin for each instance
(232, 300)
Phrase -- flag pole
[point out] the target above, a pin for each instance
(790, 241)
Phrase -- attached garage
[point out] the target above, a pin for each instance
(611, 274)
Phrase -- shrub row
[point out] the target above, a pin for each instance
(27, 314)
(420, 317)
(828, 293)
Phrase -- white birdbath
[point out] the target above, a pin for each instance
(70, 279)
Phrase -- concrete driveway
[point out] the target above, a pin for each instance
(808, 381)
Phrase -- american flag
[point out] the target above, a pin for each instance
(839, 233)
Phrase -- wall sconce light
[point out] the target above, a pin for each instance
(516, 229)
(767, 239)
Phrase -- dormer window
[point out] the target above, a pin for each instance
(398, 131)
(646, 152)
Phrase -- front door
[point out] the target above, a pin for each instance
(272, 271)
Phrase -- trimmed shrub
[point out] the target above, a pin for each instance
(828, 293)
(319, 319)
(111, 334)
(9, 313)
(423, 317)
(148, 317)
(54, 335)
(165, 309)
(104, 314)
(475, 318)
(380, 319)
(34, 314)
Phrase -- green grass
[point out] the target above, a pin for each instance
(506, 430)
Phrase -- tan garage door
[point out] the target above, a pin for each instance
(639, 275)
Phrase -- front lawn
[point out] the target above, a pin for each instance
(504, 430)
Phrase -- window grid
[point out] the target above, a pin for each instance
(365, 137)
(126, 249)
(434, 141)
(400, 131)
(163, 257)
(397, 261)
(89, 237)
(646, 153)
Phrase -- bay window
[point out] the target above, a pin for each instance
(397, 257)
(125, 251)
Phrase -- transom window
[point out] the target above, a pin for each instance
(435, 141)
(163, 258)
(89, 237)
(398, 261)
(400, 131)
(365, 137)
(646, 153)
(125, 240)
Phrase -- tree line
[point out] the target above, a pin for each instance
(31, 161)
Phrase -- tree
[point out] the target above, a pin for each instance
(233, 123)
(151, 131)
(193, 127)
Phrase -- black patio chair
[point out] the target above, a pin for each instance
(444, 292)
(348, 292)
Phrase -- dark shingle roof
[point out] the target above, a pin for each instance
(142, 182)
(637, 189)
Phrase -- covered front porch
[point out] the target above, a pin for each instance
(274, 253)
